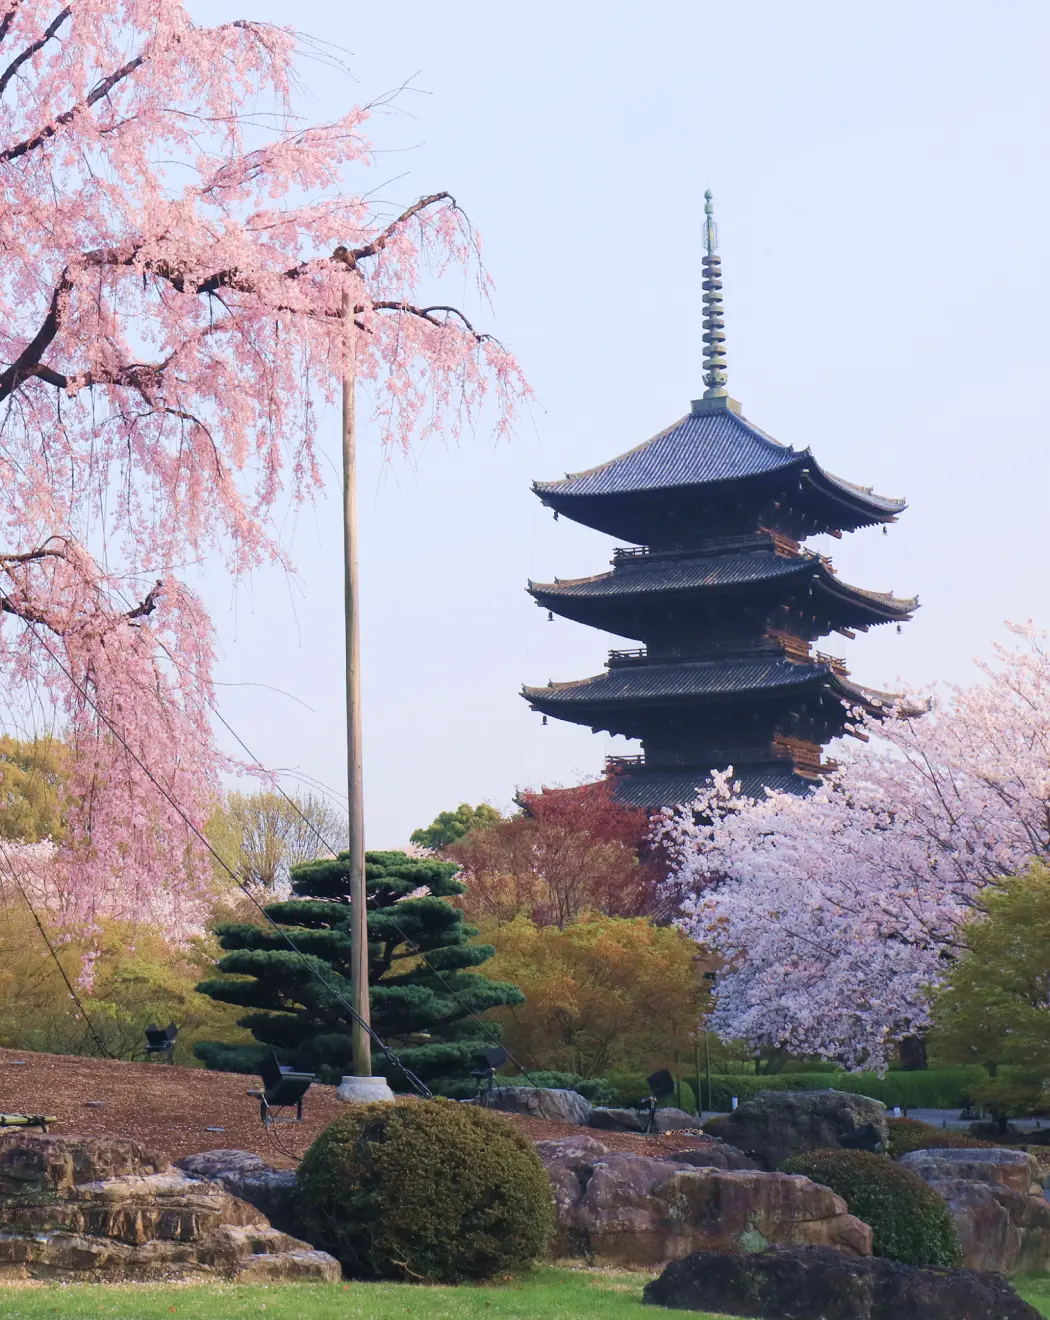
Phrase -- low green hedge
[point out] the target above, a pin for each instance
(935, 1088)
(909, 1221)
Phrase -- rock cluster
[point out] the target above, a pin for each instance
(564, 1106)
(778, 1124)
(997, 1203)
(94, 1209)
(817, 1284)
(625, 1209)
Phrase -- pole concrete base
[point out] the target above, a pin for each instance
(363, 1090)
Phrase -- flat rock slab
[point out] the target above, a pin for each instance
(814, 1283)
(1015, 1169)
(91, 1209)
(540, 1102)
(249, 1178)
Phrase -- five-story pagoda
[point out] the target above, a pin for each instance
(719, 591)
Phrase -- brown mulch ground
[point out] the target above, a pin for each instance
(171, 1109)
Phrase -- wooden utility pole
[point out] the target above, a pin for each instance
(354, 790)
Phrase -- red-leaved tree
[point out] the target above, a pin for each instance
(567, 852)
(176, 265)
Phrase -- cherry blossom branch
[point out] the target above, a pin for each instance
(67, 116)
(31, 50)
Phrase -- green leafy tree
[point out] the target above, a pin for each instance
(994, 1008)
(264, 834)
(425, 997)
(449, 826)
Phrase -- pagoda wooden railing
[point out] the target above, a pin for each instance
(805, 756)
(623, 762)
(796, 649)
(800, 652)
(838, 665)
(783, 545)
(631, 656)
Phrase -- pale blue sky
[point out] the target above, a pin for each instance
(881, 187)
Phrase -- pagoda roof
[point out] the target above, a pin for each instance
(713, 443)
(704, 679)
(647, 575)
(672, 788)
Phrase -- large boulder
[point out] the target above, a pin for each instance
(249, 1178)
(607, 1119)
(997, 1203)
(713, 1155)
(775, 1125)
(636, 1120)
(540, 1102)
(816, 1284)
(94, 1209)
(630, 1210)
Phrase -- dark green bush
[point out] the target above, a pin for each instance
(909, 1221)
(425, 1190)
(907, 1134)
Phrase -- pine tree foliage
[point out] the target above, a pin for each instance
(426, 998)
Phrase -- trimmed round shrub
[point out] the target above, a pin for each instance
(907, 1134)
(909, 1221)
(426, 1190)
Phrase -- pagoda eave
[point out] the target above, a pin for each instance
(601, 598)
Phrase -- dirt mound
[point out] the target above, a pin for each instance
(178, 1110)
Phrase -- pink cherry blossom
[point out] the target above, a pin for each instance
(836, 911)
(177, 250)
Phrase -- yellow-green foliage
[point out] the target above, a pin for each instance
(602, 994)
(33, 774)
(137, 978)
(426, 1190)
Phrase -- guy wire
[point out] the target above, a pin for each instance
(488, 1026)
(103, 1050)
(391, 1057)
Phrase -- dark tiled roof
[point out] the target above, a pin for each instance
(647, 574)
(708, 446)
(642, 575)
(715, 446)
(672, 789)
(704, 678)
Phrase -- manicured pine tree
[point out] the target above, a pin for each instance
(423, 994)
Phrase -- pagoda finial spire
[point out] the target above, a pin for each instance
(714, 326)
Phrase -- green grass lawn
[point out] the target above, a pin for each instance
(541, 1295)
